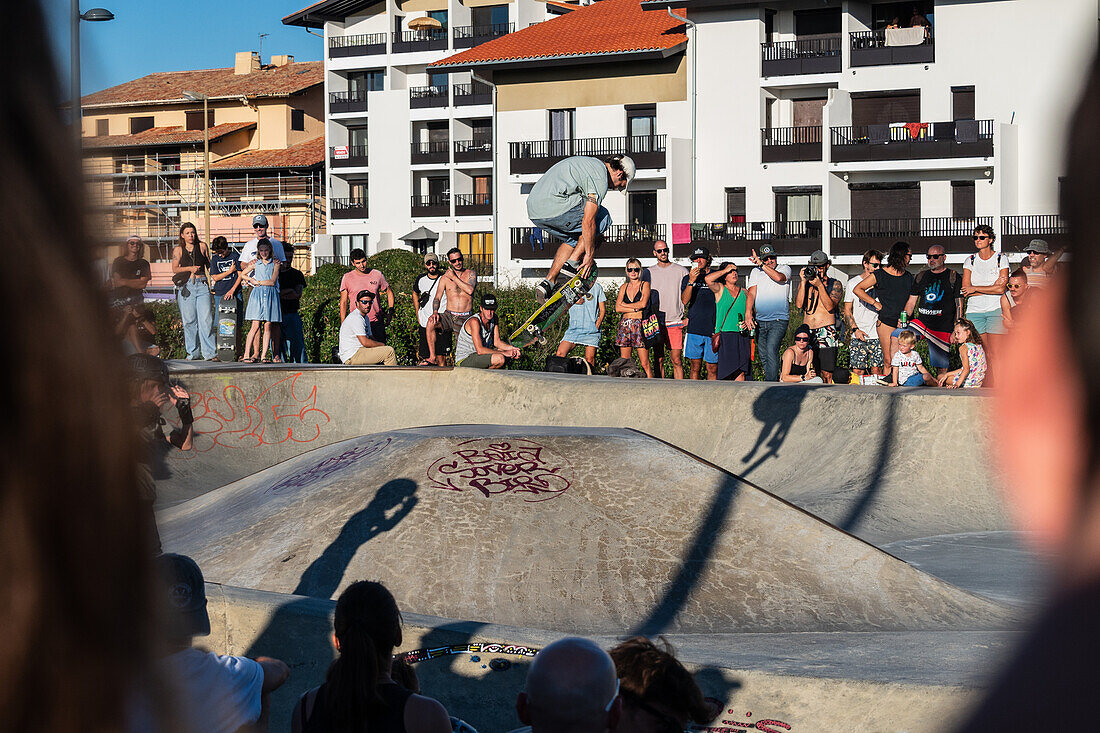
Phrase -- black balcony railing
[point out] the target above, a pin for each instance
(877, 48)
(431, 152)
(358, 45)
(913, 141)
(473, 204)
(420, 97)
(473, 93)
(819, 55)
(347, 102)
(473, 151)
(787, 144)
(425, 39)
(437, 205)
(1018, 231)
(347, 209)
(355, 155)
(739, 239)
(467, 36)
(536, 156)
(620, 240)
(856, 236)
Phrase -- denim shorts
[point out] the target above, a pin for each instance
(990, 322)
(567, 226)
(699, 347)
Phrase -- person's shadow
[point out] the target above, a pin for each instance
(776, 408)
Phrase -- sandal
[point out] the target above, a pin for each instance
(264, 360)
(426, 362)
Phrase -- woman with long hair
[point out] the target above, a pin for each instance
(359, 693)
(732, 324)
(631, 302)
(190, 263)
(892, 284)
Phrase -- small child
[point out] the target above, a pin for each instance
(974, 365)
(908, 368)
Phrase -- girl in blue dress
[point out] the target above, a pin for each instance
(263, 302)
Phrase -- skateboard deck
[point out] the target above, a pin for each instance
(225, 312)
(559, 302)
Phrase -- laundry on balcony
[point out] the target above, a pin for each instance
(917, 130)
(905, 36)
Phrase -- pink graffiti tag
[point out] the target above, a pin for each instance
(329, 466)
(494, 466)
(233, 419)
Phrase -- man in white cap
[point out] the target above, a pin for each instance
(565, 203)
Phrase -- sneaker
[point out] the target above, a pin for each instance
(569, 269)
(543, 291)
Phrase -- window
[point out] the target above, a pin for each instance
(807, 112)
(297, 120)
(140, 124)
(441, 16)
(343, 244)
(883, 108)
(643, 208)
(641, 126)
(962, 199)
(357, 190)
(372, 80)
(483, 190)
(825, 21)
(906, 13)
(885, 200)
(561, 132)
(439, 189)
(481, 131)
(477, 248)
(438, 80)
(357, 137)
(102, 127)
(194, 119)
(735, 205)
(769, 25)
(962, 103)
(797, 204)
(488, 16)
(438, 131)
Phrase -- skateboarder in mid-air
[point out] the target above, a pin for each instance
(565, 203)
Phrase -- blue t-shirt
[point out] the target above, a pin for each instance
(218, 265)
(701, 307)
(583, 313)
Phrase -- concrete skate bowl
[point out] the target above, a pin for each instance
(884, 464)
(592, 531)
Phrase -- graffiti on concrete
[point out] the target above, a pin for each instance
(330, 465)
(737, 726)
(496, 466)
(420, 655)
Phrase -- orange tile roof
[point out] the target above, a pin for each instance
(169, 86)
(604, 28)
(303, 155)
(165, 136)
(556, 7)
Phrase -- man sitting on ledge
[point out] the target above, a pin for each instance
(356, 345)
(480, 345)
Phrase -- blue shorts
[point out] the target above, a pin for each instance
(698, 347)
(582, 338)
(914, 380)
(990, 322)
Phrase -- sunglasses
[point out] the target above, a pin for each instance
(936, 257)
(633, 269)
(660, 251)
(366, 301)
(801, 338)
(259, 226)
(456, 259)
(980, 236)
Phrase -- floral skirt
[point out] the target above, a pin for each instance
(629, 334)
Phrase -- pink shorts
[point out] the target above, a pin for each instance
(673, 336)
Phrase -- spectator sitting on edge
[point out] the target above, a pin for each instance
(571, 688)
(797, 364)
(1014, 297)
(972, 354)
(357, 346)
(658, 693)
(907, 368)
(220, 694)
(480, 345)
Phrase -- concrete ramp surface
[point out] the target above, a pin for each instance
(585, 530)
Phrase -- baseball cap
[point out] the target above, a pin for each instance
(185, 593)
(363, 293)
(489, 301)
(1038, 245)
(431, 257)
(700, 252)
(628, 167)
(259, 219)
(818, 258)
(766, 250)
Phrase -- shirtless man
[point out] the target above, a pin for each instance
(818, 296)
(1040, 264)
(458, 284)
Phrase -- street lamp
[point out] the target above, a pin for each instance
(195, 97)
(94, 15)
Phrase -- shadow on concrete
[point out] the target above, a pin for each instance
(776, 408)
(867, 496)
(694, 562)
(391, 503)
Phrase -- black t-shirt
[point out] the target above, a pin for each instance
(290, 278)
(130, 270)
(936, 298)
(218, 265)
(700, 308)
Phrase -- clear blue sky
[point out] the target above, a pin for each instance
(158, 35)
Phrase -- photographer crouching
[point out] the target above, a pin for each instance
(150, 391)
(818, 296)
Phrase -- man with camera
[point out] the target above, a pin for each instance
(818, 296)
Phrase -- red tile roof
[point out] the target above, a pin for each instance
(559, 8)
(165, 136)
(303, 155)
(269, 81)
(604, 28)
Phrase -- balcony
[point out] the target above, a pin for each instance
(887, 48)
(648, 151)
(348, 156)
(439, 205)
(360, 45)
(913, 141)
(425, 39)
(467, 204)
(738, 239)
(431, 152)
(819, 55)
(856, 236)
(1018, 231)
(473, 93)
(347, 209)
(422, 97)
(473, 151)
(468, 36)
(790, 144)
(619, 241)
(340, 102)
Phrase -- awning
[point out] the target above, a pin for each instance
(420, 234)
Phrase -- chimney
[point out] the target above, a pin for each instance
(282, 60)
(246, 62)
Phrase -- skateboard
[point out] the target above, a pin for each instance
(559, 302)
(225, 323)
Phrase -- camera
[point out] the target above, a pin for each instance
(809, 273)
